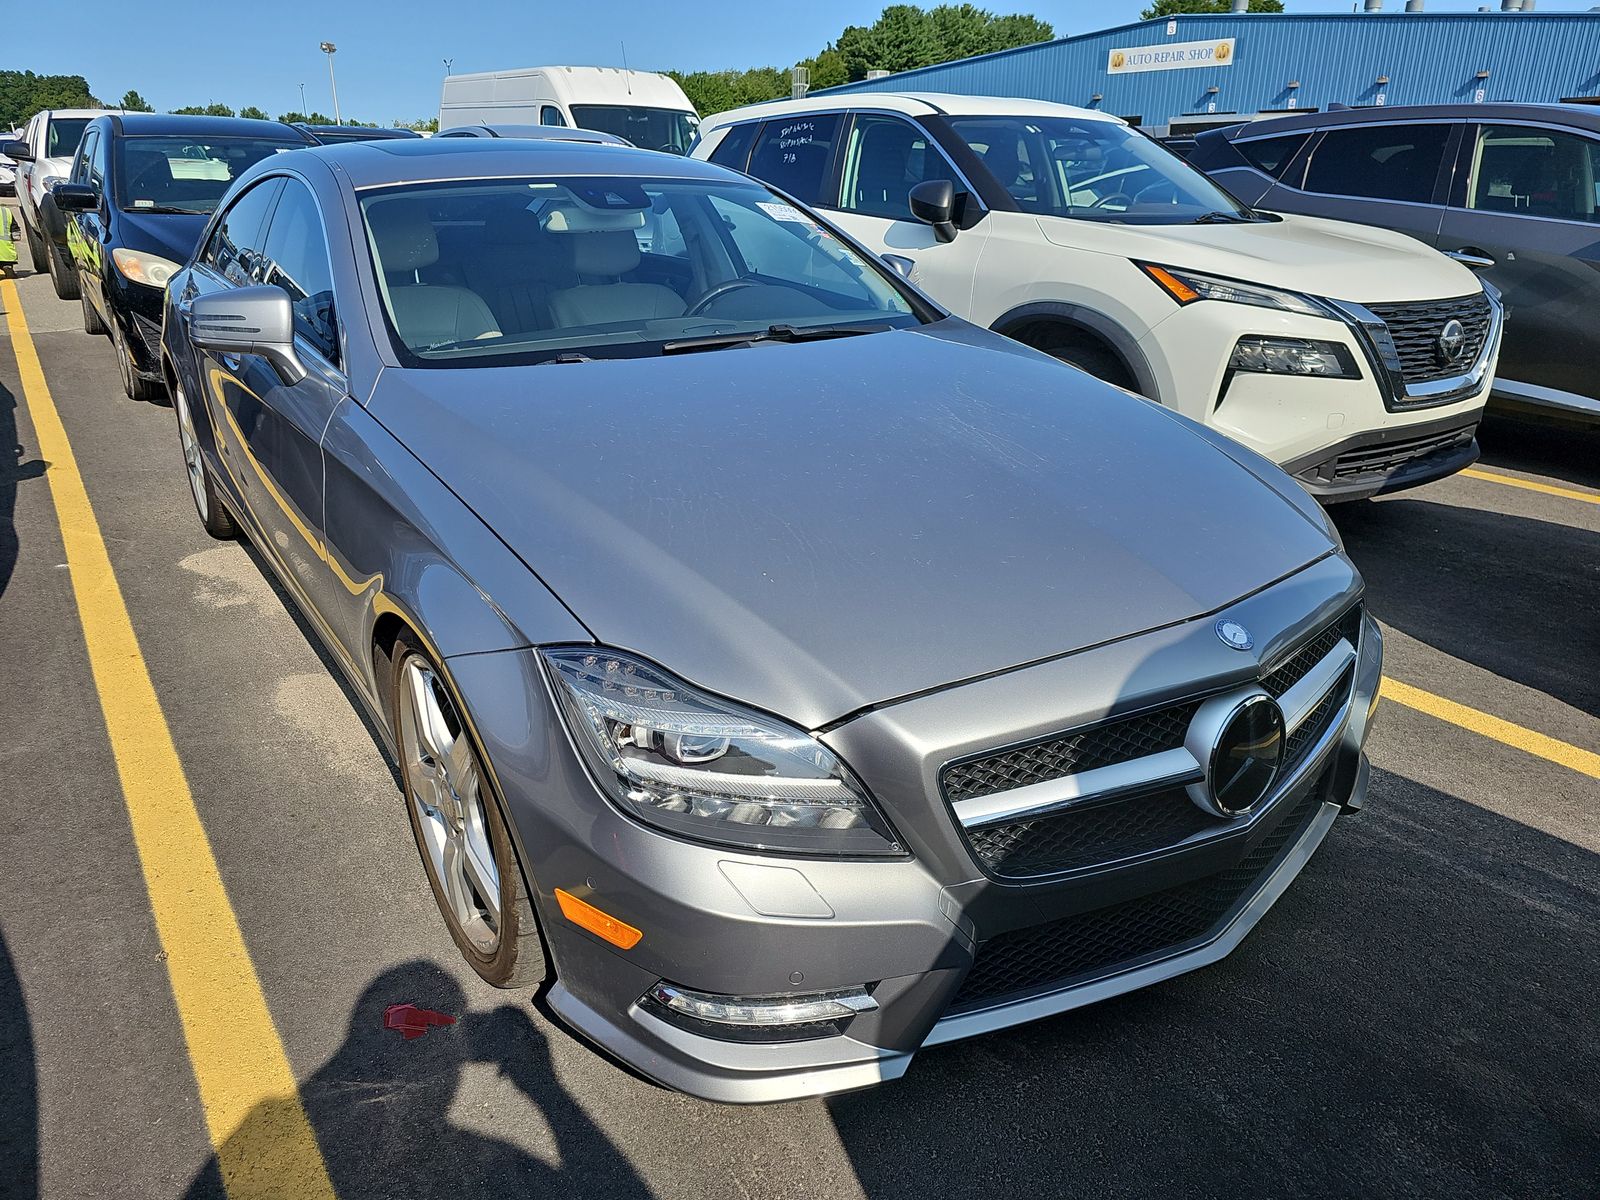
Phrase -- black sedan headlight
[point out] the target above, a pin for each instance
(702, 767)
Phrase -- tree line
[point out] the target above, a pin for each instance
(903, 38)
(23, 93)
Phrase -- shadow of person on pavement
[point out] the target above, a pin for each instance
(19, 1085)
(381, 1110)
(13, 470)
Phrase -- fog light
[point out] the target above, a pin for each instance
(763, 1011)
(1293, 356)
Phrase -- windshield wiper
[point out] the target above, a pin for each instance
(167, 208)
(772, 333)
(566, 356)
(1223, 218)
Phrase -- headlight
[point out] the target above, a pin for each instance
(1187, 287)
(1293, 356)
(149, 269)
(706, 768)
(48, 182)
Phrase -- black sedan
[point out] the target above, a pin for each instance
(140, 192)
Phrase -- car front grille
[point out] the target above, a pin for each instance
(1057, 757)
(1415, 328)
(1097, 832)
(1103, 941)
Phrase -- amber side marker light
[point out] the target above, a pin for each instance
(587, 916)
(1171, 284)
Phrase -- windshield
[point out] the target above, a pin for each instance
(668, 129)
(1093, 170)
(62, 138)
(185, 174)
(521, 270)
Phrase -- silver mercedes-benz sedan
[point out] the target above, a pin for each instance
(788, 673)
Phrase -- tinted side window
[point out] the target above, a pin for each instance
(1273, 154)
(234, 250)
(1383, 162)
(1537, 173)
(295, 258)
(551, 115)
(734, 149)
(793, 154)
(80, 165)
(886, 158)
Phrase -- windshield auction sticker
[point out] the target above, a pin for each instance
(1171, 56)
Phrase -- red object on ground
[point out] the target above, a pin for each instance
(411, 1021)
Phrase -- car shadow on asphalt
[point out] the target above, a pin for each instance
(19, 1085)
(1513, 595)
(1414, 1017)
(1558, 451)
(381, 1109)
(14, 469)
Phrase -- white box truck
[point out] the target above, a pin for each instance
(647, 109)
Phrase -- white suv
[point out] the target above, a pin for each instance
(50, 140)
(1356, 358)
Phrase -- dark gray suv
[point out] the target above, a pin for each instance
(1513, 189)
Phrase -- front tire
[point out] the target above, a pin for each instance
(217, 520)
(462, 836)
(136, 387)
(63, 277)
(36, 250)
(91, 317)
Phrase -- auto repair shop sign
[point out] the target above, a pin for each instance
(1172, 56)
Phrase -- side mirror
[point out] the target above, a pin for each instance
(933, 201)
(249, 320)
(17, 151)
(76, 197)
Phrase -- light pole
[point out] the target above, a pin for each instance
(302, 100)
(329, 48)
(448, 63)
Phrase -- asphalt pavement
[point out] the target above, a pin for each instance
(1417, 1015)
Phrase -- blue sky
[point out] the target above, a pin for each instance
(178, 52)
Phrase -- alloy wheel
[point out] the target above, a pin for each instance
(191, 452)
(444, 784)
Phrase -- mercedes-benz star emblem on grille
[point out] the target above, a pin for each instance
(1248, 754)
(1452, 341)
(1234, 634)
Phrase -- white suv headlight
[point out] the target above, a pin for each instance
(705, 768)
(1189, 287)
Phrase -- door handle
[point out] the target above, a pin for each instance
(1471, 257)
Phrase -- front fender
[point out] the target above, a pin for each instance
(402, 546)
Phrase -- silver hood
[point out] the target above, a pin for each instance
(815, 528)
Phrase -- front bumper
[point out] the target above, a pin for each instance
(1307, 420)
(1388, 460)
(920, 932)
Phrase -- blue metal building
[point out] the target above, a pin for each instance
(1192, 71)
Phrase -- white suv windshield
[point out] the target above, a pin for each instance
(528, 270)
(1093, 170)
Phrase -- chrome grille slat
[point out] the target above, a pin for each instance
(1109, 812)
(1415, 327)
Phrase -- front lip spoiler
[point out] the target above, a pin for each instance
(987, 1020)
(1424, 468)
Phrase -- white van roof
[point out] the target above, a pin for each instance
(580, 85)
(910, 103)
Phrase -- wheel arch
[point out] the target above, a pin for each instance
(1088, 323)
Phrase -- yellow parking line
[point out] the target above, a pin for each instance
(265, 1144)
(1585, 762)
(1531, 485)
